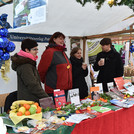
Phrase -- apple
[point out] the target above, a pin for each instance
(22, 109)
(34, 106)
(32, 110)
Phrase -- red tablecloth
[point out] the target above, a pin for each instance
(113, 122)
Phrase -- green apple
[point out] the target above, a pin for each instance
(32, 110)
(34, 106)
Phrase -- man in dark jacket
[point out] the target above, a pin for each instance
(108, 63)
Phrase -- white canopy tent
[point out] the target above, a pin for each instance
(69, 17)
(121, 25)
(72, 19)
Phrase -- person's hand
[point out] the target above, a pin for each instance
(84, 66)
(101, 62)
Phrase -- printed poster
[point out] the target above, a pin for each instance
(75, 43)
(28, 12)
(94, 48)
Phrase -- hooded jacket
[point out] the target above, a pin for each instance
(79, 75)
(29, 85)
(55, 69)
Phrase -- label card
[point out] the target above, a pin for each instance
(119, 82)
(100, 87)
(110, 85)
(73, 96)
(59, 97)
(94, 93)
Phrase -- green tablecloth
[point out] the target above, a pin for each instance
(61, 130)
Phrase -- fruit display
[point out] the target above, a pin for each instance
(25, 109)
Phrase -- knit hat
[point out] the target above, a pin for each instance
(29, 44)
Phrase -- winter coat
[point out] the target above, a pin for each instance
(79, 75)
(55, 69)
(29, 85)
(113, 67)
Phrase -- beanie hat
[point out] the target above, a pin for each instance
(29, 44)
(106, 41)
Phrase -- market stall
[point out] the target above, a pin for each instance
(111, 113)
(71, 118)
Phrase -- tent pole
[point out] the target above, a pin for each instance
(84, 47)
(130, 44)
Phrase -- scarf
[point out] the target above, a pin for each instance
(76, 61)
(27, 55)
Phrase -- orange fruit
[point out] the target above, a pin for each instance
(27, 113)
(27, 106)
(89, 108)
(36, 103)
(105, 101)
(19, 114)
(24, 104)
(38, 110)
(77, 111)
(58, 108)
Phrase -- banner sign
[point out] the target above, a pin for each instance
(21, 36)
(93, 49)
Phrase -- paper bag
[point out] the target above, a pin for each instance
(47, 102)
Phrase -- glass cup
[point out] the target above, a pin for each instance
(84, 63)
(102, 61)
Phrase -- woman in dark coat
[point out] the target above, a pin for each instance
(24, 63)
(79, 72)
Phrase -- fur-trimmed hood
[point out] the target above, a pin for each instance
(19, 60)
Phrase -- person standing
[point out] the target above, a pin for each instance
(24, 63)
(122, 53)
(79, 72)
(54, 67)
(108, 63)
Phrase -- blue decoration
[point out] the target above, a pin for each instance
(3, 32)
(3, 42)
(5, 56)
(1, 52)
(10, 47)
(5, 45)
(3, 21)
(131, 48)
